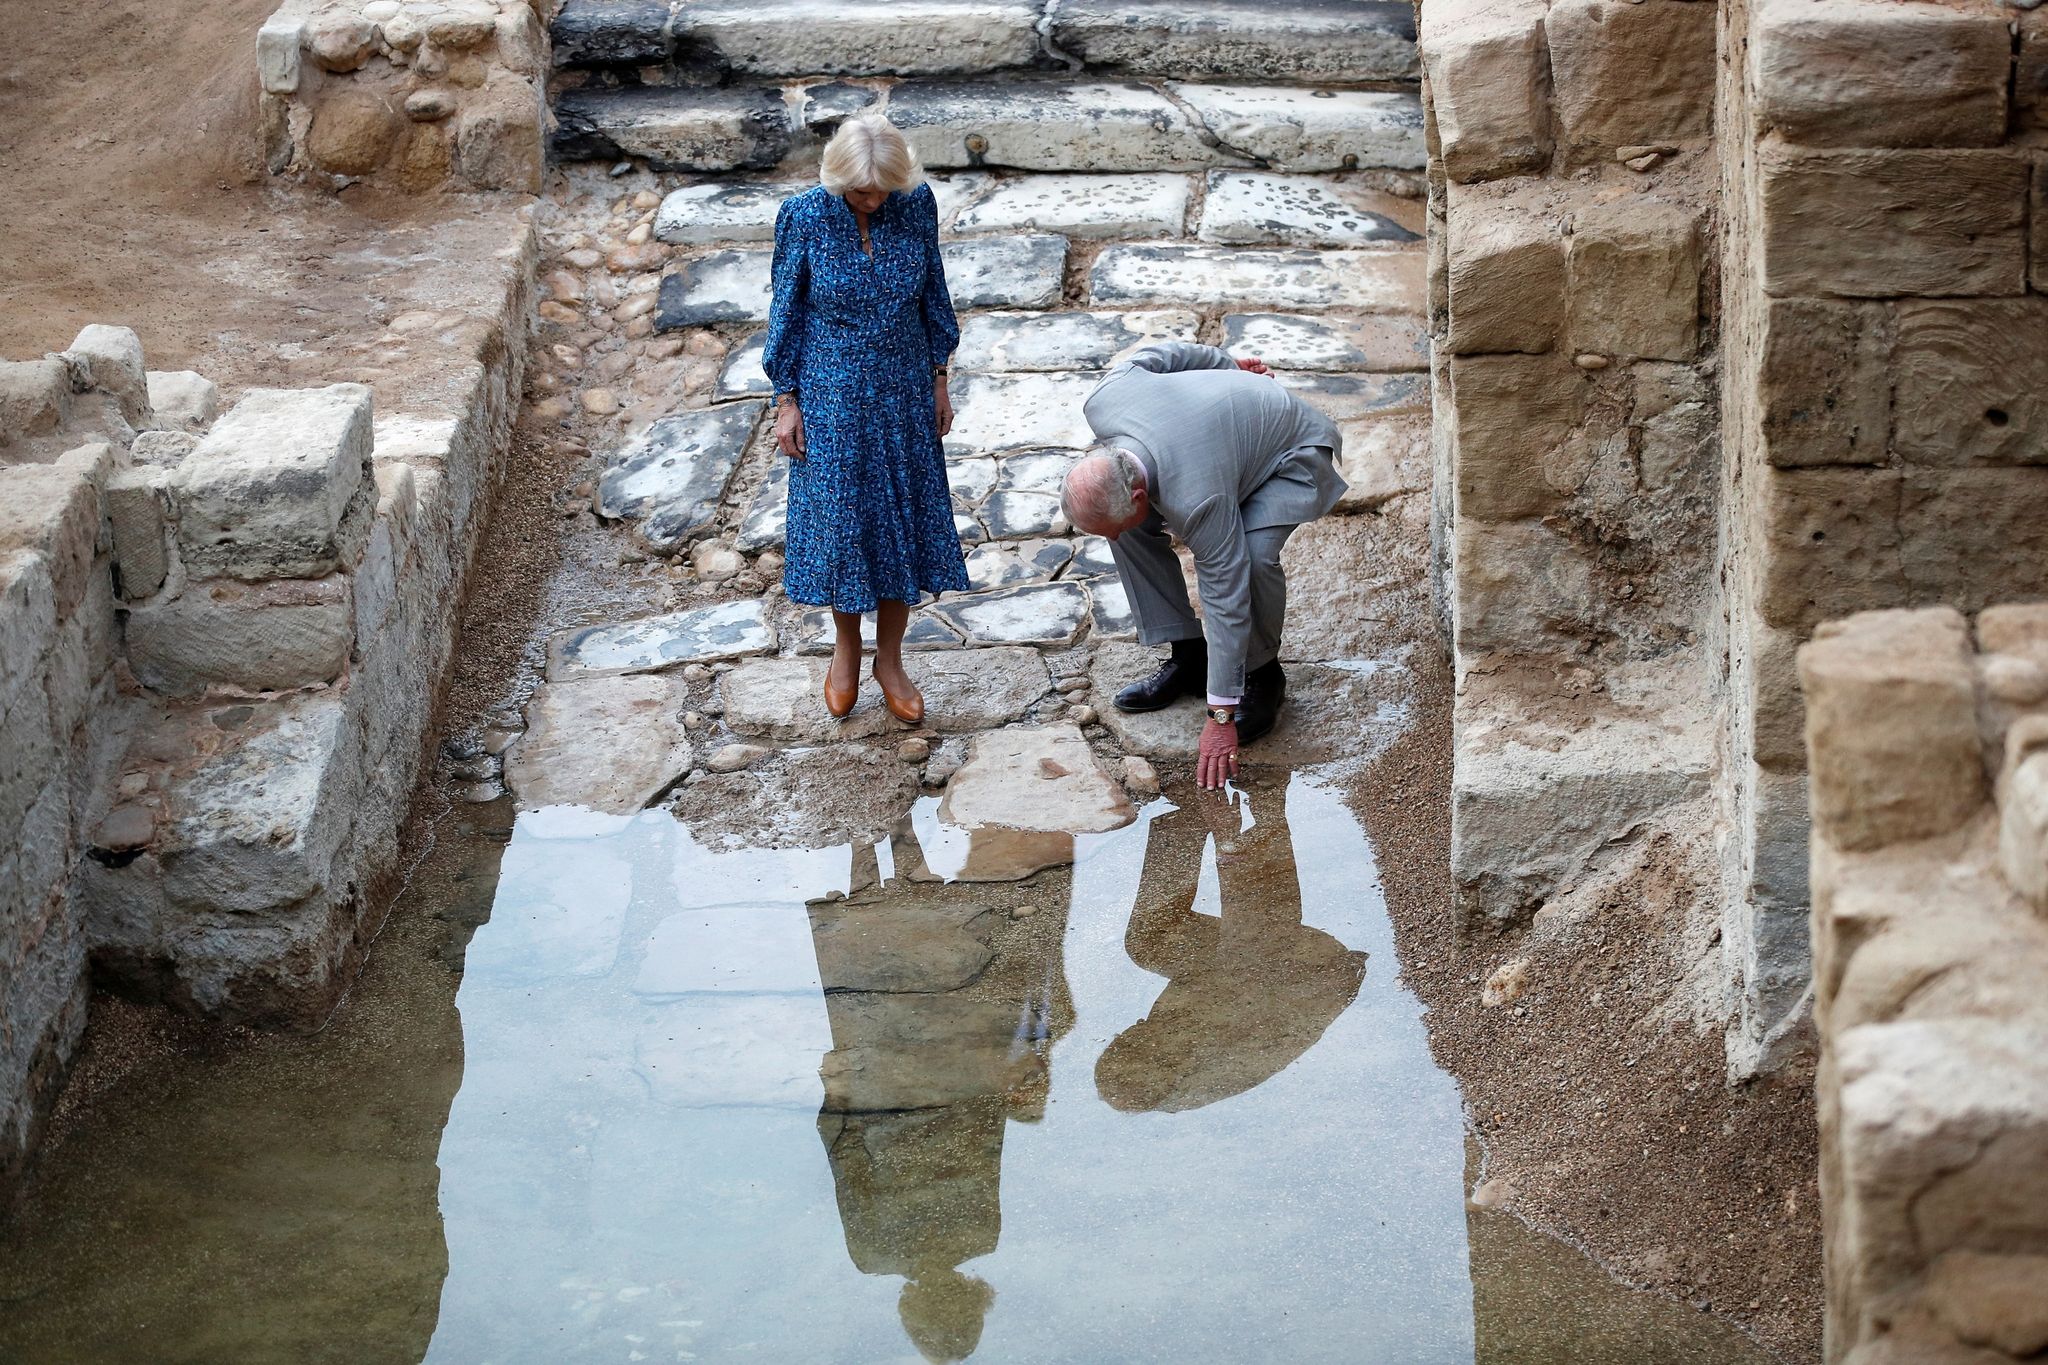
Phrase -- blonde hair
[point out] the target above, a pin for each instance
(869, 153)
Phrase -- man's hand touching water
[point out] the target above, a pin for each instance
(1216, 759)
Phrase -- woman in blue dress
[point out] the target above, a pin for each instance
(859, 336)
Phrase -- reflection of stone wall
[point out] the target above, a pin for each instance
(1928, 755)
(221, 641)
(1575, 371)
(423, 96)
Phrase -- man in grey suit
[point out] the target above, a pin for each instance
(1218, 453)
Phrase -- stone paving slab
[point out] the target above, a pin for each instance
(1007, 565)
(671, 480)
(1388, 342)
(1036, 614)
(902, 948)
(784, 700)
(742, 375)
(724, 286)
(1332, 710)
(971, 480)
(673, 128)
(956, 191)
(1023, 271)
(824, 107)
(1258, 209)
(1048, 125)
(1034, 471)
(1302, 41)
(998, 412)
(610, 33)
(1342, 397)
(723, 211)
(1200, 276)
(1110, 610)
(1045, 779)
(1016, 515)
(612, 744)
(814, 632)
(1083, 206)
(767, 516)
(829, 37)
(979, 689)
(1013, 342)
(1384, 457)
(1293, 129)
(1092, 558)
(728, 630)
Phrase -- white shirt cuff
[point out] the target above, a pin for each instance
(1215, 700)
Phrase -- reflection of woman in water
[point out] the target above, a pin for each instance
(1248, 991)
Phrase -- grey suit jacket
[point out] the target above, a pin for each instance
(1228, 452)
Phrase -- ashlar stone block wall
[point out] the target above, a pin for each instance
(1927, 743)
(1887, 352)
(422, 95)
(221, 644)
(1572, 320)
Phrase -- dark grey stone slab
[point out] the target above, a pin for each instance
(1300, 41)
(827, 106)
(742, 376)
(767, 516)
(1389, 342)
(1015, 516)
(1006, 272)
(1034, 471)
(1006, 565)
(1109, 610)
(674, 128)
(1092, 558)
(1343, 397)
(672, 478)
(728, 630)
(610, 33)
(1036, 614)
(725, 286)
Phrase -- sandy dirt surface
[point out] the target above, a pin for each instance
(133, 196)
(1602, 1109)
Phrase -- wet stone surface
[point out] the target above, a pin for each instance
(725, 631)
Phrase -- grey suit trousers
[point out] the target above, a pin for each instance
(1158, 592)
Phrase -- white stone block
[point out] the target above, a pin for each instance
(113, 357)
(277, 49)
(1083, 206)
(824, 37)
(182, 400)
(1043, 125)
(723, 211)
(264, 495)
(1198, 276)
(1303, 130)
(261, 637)
(1255, 208)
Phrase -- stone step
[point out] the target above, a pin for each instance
(1315, 42)
(1029, 123)
(1386, 281)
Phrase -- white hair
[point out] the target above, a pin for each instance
(869, 153)
(1108, 500)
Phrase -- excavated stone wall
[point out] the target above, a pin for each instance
(1574, 353)
(447, 94)
(221, 640)
(1885, 449)
(1927, 744)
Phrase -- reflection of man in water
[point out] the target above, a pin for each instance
(1248, 990)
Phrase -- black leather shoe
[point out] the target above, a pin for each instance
(1182, 675)
(1265, 688)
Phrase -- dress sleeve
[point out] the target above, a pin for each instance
(782, 352)
(941, 328)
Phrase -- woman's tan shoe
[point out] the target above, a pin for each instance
(839, 700)
(908, 709)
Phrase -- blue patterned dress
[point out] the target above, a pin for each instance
(856, 338)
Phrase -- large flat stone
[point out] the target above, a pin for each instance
(1024, 271)
(815, 633)
(767, 518)
(1005, 342)
(725, 286)
(612, 744)
(1109, 609)
(652, 643)
(1035, 779)
(670, 481)
(784, 700)
(1048, 125)
(258, 825)
(1313, 130)
(1346, 397)
(723, 211)
(825, 37)
(956, 191)
(610, 33)
(902, 948)
(674, 128)
(1036, 614)
(1255, 208)
(1292, 341)
(742, 375)
(261, 637)
(1083, 206)
(970, 480)
(265, 493)
(1012, 514)
(1009, 564)
(978, 689)
(1283, 41)
(1199, 276)
(997, 412)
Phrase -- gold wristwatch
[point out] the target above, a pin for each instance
(1223, 715)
